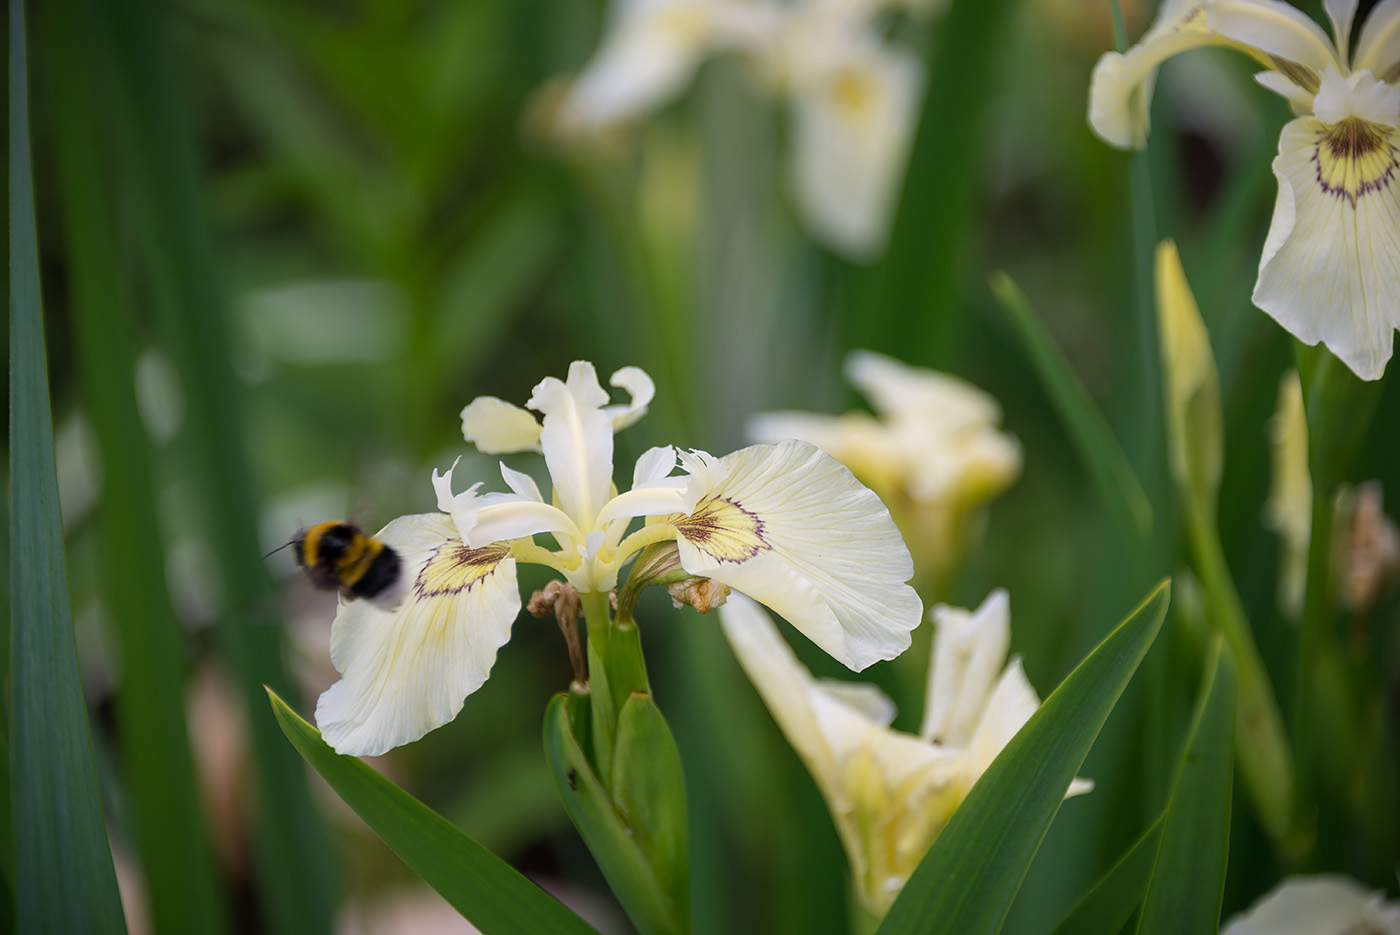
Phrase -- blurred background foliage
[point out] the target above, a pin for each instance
(298, 237)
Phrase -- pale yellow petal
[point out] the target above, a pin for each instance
(494, 426)
(1285, 34)
(1120, 89)
(968, 651)
(789, 526)
(406, 672)
(1378, 47)
(1331, 265)
(577, 440)
(781, 680)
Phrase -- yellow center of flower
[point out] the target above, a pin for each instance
(454, 568)
(853, 92)
(1354, 158)
(724, 529)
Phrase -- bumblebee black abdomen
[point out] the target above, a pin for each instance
(381, 574)
(340, 557)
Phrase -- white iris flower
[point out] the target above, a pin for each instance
(890, 793)
(1330, 271)
(783, 523)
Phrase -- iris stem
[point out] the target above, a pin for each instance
(1312, 633)
(599, 619)
(1264, 756)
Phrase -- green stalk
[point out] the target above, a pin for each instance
(1263, 750)
(1312, 637)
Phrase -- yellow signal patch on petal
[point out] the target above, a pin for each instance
(724, 529)
(454, 568)
(1355, 158)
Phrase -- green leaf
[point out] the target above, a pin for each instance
(64, 880)
(486, 890)
(160, 186)
(161, 792)
(1098, 448)
(1108, 906)
(911, 309)
(969, 877)
(648, 786)
(653, 907)
(1189, 877)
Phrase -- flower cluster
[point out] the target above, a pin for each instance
(785, 524)
(1330, 270)
(852, 95)
(890, 793)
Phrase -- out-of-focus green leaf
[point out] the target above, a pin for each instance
(1117, 485)
(969, 877)
(1188, 878)
(486, 890)
(619, 847)
(159, 181)
(913, 311)
(1109, 905)
(64, 880)
(166, 819)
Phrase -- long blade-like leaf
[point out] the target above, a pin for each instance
(966, 882)
(166, 819)
(64, 881)
(1189, 877)
(1109, 905)
(158, 176)
(1098, 448)
(490, 893)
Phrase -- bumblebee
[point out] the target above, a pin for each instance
(341, 557)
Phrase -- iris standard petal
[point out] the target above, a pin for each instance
(496, 427)
(789, 526)
(1378, 47)
(577, 440)
(1285, 35)
(639, 387)
(968, 652)
(1120, 89)
(406, 672)
(1331, 265)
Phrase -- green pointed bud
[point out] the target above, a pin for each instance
(1193, 386)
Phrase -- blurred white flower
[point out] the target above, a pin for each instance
(933, 451)
(852, 95)
(891, 793)
(1327, 904)
(784, 523)
(650, 53)
(1330, 271)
